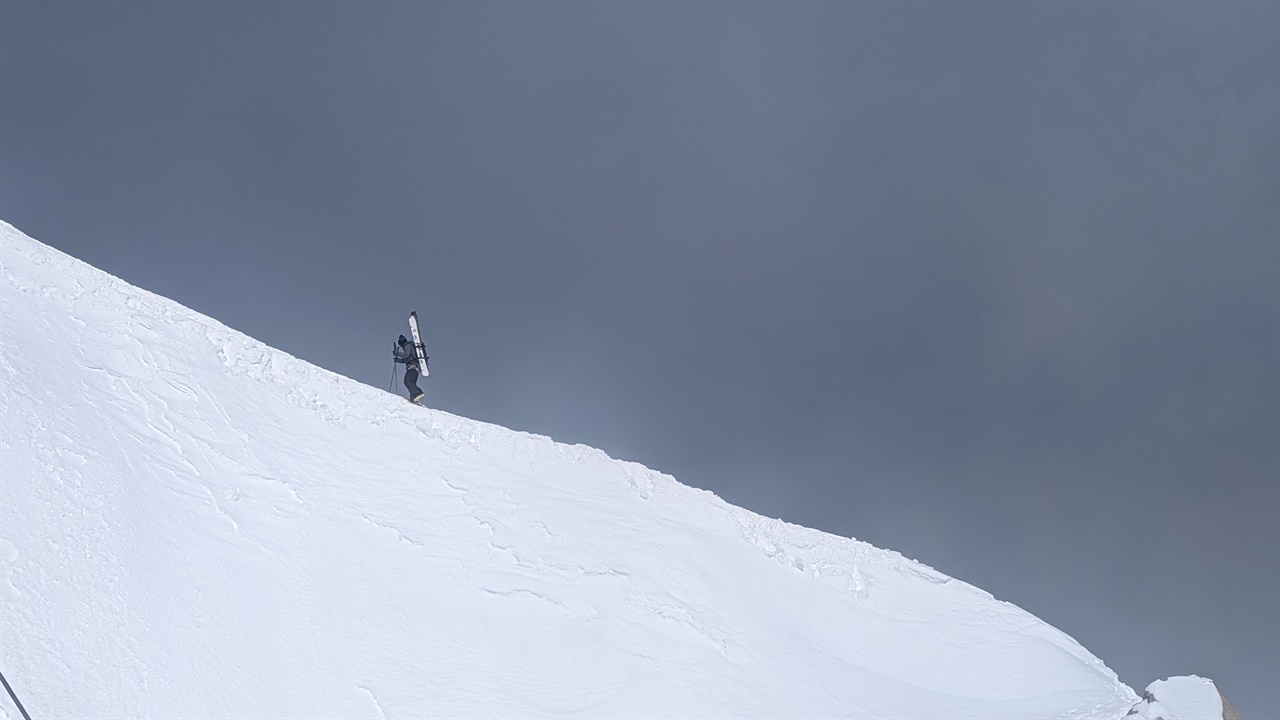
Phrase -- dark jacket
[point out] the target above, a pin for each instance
(404, 354)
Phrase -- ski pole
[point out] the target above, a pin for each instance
(391, 385)
(15, 697)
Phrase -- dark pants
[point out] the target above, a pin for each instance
(411, 382)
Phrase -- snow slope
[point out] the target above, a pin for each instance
(193, 524)
(1187, 697)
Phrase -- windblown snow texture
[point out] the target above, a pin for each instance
(195, 524)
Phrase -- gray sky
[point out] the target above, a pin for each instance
(995, 285)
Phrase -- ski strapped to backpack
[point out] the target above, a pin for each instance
(418, 348)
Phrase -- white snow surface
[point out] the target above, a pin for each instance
(193, 524)
(1187, 697)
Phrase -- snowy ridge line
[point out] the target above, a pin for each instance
(196, 520)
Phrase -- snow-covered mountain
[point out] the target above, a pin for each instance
(193, 524)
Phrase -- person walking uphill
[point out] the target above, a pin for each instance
(404, 353)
